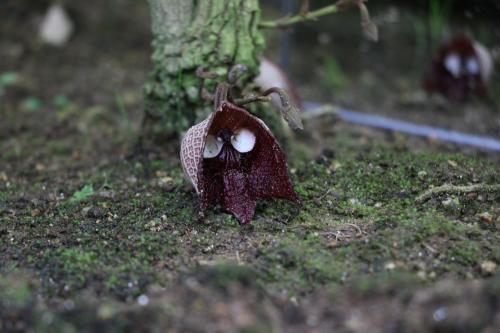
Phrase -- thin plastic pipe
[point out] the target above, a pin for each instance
(361, 118)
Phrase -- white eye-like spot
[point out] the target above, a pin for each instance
(452, 64)
(472, 66)
(243, 140)
(212, 147)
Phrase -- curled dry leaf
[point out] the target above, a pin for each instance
(369, 28)
(292, 117)
(289, 111)
(232, 160)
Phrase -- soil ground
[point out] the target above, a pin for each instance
(96, 235)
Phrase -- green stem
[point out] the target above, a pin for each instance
(310, 16)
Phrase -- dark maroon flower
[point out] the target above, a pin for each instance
(461, 67)
(233, 160)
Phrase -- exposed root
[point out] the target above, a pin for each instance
(345, 234)
(452, 189)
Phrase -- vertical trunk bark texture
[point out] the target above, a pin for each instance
(215, 34)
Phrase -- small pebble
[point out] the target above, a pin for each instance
(36, 212)
(143, 300)
(131, 179)
(451, 203)
(422, 174)
(56, 27)
(107, 194)
(488, 268)
(486, 217)
(85, 210)
(390, 266)
(440, 314)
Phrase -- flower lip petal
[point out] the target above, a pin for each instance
(212, 147)
(472, 66)
(243, 140)
(452, 63)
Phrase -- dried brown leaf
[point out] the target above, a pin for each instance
(370, 30)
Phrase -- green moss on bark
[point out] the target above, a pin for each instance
(214, 34)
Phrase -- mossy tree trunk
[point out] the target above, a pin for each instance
(215, 34)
